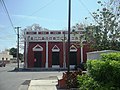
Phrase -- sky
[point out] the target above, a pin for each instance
(50, 14)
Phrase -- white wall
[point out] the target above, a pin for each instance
(97, 54)
(5, 55)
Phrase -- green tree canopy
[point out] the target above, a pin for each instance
(105, 33)
(13, 51)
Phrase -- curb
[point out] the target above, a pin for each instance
(24, 85)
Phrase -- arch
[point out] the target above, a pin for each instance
(73, 49)
(55, 49)
(38, 48)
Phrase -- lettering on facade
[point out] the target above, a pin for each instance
(51, 36)
(38, 38)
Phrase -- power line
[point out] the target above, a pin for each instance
(88, 10)
(29, 14)
(43, 7)
(6, 10)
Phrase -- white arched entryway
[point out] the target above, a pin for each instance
(73, 56)
(55, 57)
(37, 56)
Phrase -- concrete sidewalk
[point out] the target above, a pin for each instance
(49, 83)
(43, 85)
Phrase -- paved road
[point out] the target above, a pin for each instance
(12, 80)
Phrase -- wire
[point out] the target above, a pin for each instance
(33, 12)
(46, 5)
(6, 10)
(88, 10)
(43, 7)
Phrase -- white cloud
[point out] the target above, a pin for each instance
(25, 16)
(38, 18)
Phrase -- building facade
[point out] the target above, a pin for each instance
(5, 56)
(48, 49)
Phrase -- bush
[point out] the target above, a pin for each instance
(69, 80)
(86, 83)
(110, 56)
(107, 73)
(103, 74)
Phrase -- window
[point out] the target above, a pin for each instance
(31, 32)
(65, 32)
(43, 32)
(55, 32)
(2, 58)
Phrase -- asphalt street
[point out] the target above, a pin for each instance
(11, 80)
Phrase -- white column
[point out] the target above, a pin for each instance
(46, 54)
(26, 51)
(81, 54)
(64, 55)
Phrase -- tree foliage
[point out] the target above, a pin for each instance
(33, 27)
(81, 37)
(102, 74)
(106, 72)
(13, 51)
(105, 33)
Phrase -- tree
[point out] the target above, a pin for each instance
(115, 6)
(75, 30)
(93, 36)
(106, 33)
(13, 51)
(34, 27)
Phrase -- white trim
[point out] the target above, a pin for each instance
(52, 37)
(54, 49)
(74, 49)
(55, 66)
(46, 65)
(26, 51)
(38, 49)
(72, 66)
(81, 54)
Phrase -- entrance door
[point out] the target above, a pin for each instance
(55, 58)
(73, 58)
(37, 59)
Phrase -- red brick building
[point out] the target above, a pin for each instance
(48, 49)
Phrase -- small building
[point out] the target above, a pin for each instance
(48, 49)
(5, 56)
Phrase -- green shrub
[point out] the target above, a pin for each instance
(102, 74)
(71, 79)
(110, 56)
(107, 73)
(86, 83)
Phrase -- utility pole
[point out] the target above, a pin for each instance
(64, 51)
(18, 28)
(69, 25)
